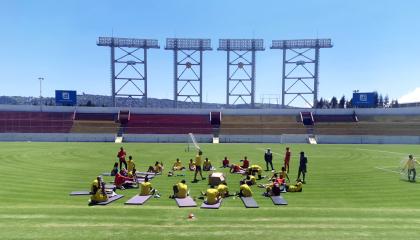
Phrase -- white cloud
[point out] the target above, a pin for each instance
(410, 97)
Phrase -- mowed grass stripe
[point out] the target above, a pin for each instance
(345, 198)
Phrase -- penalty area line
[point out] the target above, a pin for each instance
(382, 151)
(262, 149)
(388, 170)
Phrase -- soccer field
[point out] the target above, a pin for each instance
(352, 192)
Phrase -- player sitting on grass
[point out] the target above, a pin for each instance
(147, 189)
(122, 182)
(180, 190)
(244, 190)
(212, 195)
(191, 165)
(234, 168)
(283, 174)
(245, 162)
(177, 165)
(223, 190)
(225, 163)
(207, 165)
(158, 168)
(250, 180)
(114, 169)
(273, 189)
(255, 169)
(297, 187)
(98, 192)
(133, 175)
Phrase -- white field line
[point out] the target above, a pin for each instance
(388, 170)
(382, 151)
(263, 149)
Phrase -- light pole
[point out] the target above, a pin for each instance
(40, 91)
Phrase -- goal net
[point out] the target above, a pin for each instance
(192, 142)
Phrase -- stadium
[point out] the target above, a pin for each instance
(129, 165)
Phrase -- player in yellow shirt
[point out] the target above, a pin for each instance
(410, 165)
(255, 169)
(296, 187)
(212, 195)
(96, 185)
(146, 188)
(198, 162)
(207, 165)
(180, 190)
(177, 165)
(245, 190)
(191, 165)
(250, 180)
(223, 190)
(99, 195)
(130, 164)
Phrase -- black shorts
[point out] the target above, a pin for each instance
(197, 168)
(302, 169)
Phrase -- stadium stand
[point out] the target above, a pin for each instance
(168, 124)
(385, 125)
(94, 123)
(260, 125)
(35, 122)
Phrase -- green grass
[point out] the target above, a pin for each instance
(346, 197)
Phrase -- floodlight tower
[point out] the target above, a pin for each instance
(131, 79)
(188, 68)
(301, 55)
(243, 62)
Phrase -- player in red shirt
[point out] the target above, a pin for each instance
(121, 181)
(121, 156)
(245, 163)
(225, 162)
(287, 156)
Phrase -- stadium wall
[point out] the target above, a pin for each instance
(358, 111)
(204, 138)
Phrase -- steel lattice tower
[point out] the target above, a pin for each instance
(300, 68)
(240, 74)
(131, 79)
(188, 68)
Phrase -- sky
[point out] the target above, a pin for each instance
(376, 43)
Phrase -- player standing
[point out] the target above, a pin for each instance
(198, 162)
(121, 156)
(287, 156)
(411, 168)
(302, 166)
(268, 157)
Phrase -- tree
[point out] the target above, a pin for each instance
(349, 103)
(334, 102)
(375, 99)
(386, 100)
(380, 101)
(394, 103)
(342, 102)
(320, 103)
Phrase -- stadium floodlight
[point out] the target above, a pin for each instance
(240, 75)
(131, 80)
(188, 65)
(127, 42)
(241, 45)
(188, 44)
(300, 76)
(301, 43)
